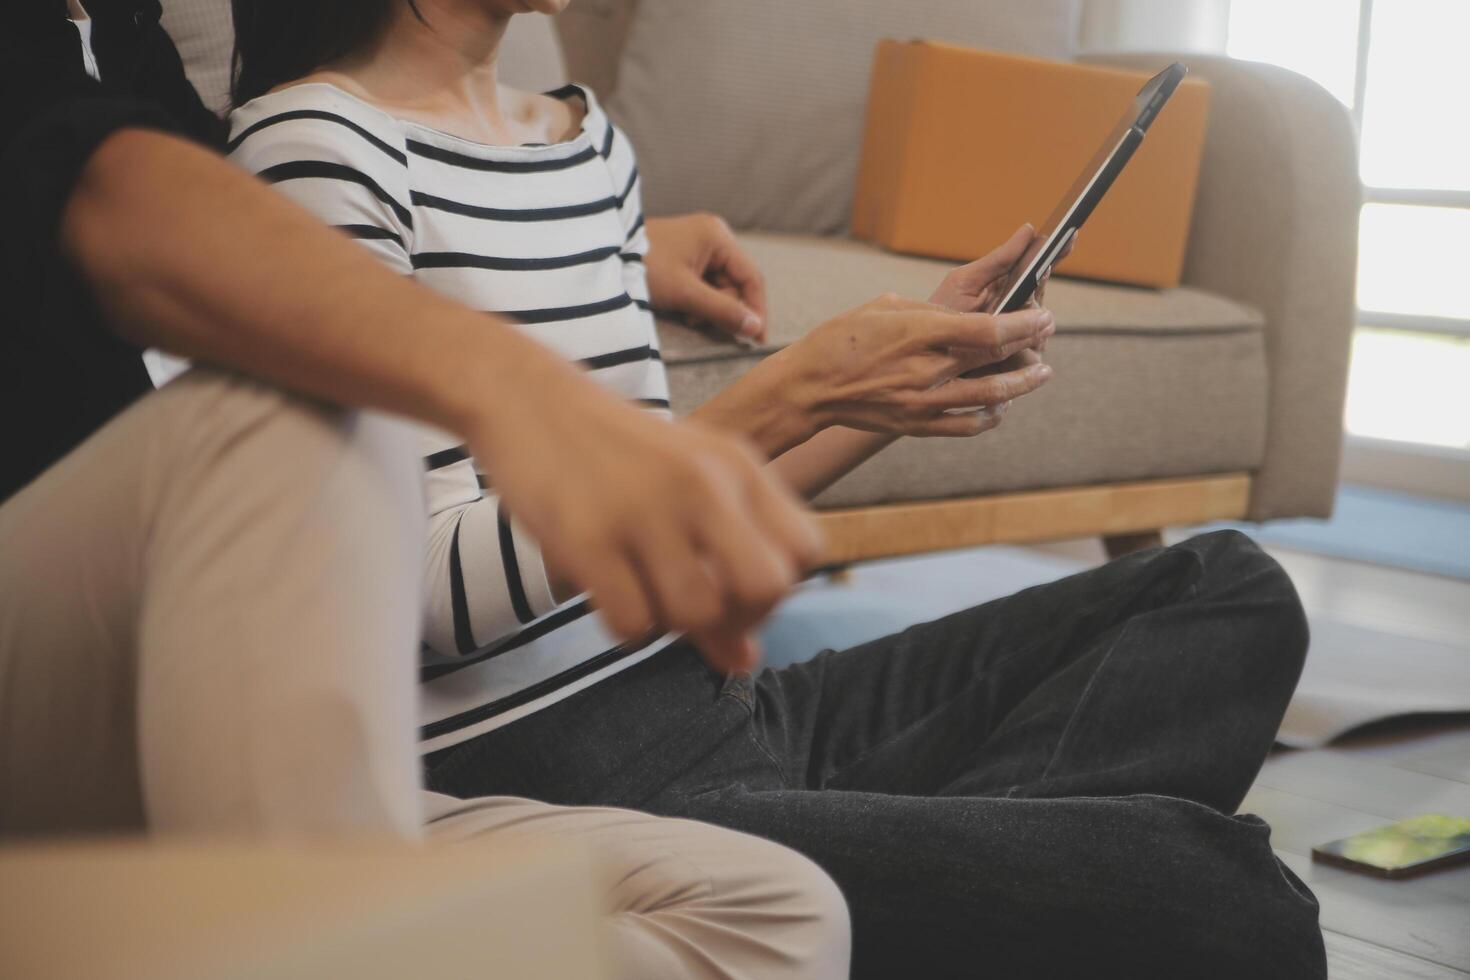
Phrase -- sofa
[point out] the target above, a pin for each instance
(1221, 399)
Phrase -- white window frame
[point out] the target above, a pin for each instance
(1394, 195)
(1397, 465)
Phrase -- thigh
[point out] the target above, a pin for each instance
(279, 623)
(1141, 886)
(899, 714)
(73, 543)
(1163, 672)
(211, 620)
(668, 722)
(686, 899)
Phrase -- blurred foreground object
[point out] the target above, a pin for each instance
(108, 911)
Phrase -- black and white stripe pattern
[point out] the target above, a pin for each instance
(551, 237)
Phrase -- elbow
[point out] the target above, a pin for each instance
(103, 232)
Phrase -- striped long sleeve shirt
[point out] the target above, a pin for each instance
(550, 237)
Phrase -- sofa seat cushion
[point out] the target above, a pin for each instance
(1149, 383)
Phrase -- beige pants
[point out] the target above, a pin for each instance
(208, 618)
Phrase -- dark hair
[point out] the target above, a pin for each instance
(277, 41)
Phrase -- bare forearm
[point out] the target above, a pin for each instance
(827, 457)
(773, 407)
(188, 254)
(770, 405)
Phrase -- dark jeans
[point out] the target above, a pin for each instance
(1042, 786)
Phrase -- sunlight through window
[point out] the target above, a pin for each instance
(1316, 38)
(1413, 260)
(1416, 116)
(1407, 384)
(1410, 387)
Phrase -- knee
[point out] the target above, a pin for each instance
(817, 935)
(1231, 555)
(737, 905)
(1236, 569)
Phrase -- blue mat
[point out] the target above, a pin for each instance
(1422, 534)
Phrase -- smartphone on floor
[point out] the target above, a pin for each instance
(1404, 849)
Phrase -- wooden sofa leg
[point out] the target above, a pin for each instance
(1118, 545)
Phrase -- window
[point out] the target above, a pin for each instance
(1399, 66)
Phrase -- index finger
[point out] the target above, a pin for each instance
(986, 270)
(747, 278)
(1001, 335)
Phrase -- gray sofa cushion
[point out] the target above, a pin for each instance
(1150, 384)
(754, 109)
(204, 33)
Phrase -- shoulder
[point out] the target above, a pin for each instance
(315, 121)
(611, 142)
(328, 150)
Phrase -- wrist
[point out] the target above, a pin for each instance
(772, 405)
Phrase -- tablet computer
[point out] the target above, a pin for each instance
(1082, 199)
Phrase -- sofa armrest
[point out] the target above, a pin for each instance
(1276, 227)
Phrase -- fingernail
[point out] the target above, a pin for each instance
(1046, 319)
(1042, 371)
(750, 326)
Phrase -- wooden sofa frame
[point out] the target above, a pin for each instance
(1127, 516)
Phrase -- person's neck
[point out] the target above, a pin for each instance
(75, 10)
(445, 63)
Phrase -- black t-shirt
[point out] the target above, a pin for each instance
(63, 372)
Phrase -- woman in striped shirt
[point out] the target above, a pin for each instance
(958, 780)
(528, 206)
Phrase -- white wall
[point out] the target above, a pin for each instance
(1155, 25)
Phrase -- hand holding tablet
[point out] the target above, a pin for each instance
(1077, 205)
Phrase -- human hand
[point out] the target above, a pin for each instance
(894, 366)
(670, 526)
(976, 286)
(695, 267)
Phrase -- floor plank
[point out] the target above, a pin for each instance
(1456, 769)
(1447, 758)
(1354, 959)
(1395, 600)
(1338, 776)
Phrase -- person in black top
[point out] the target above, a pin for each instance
(209, 592)
(62, 370)
(125, 231)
